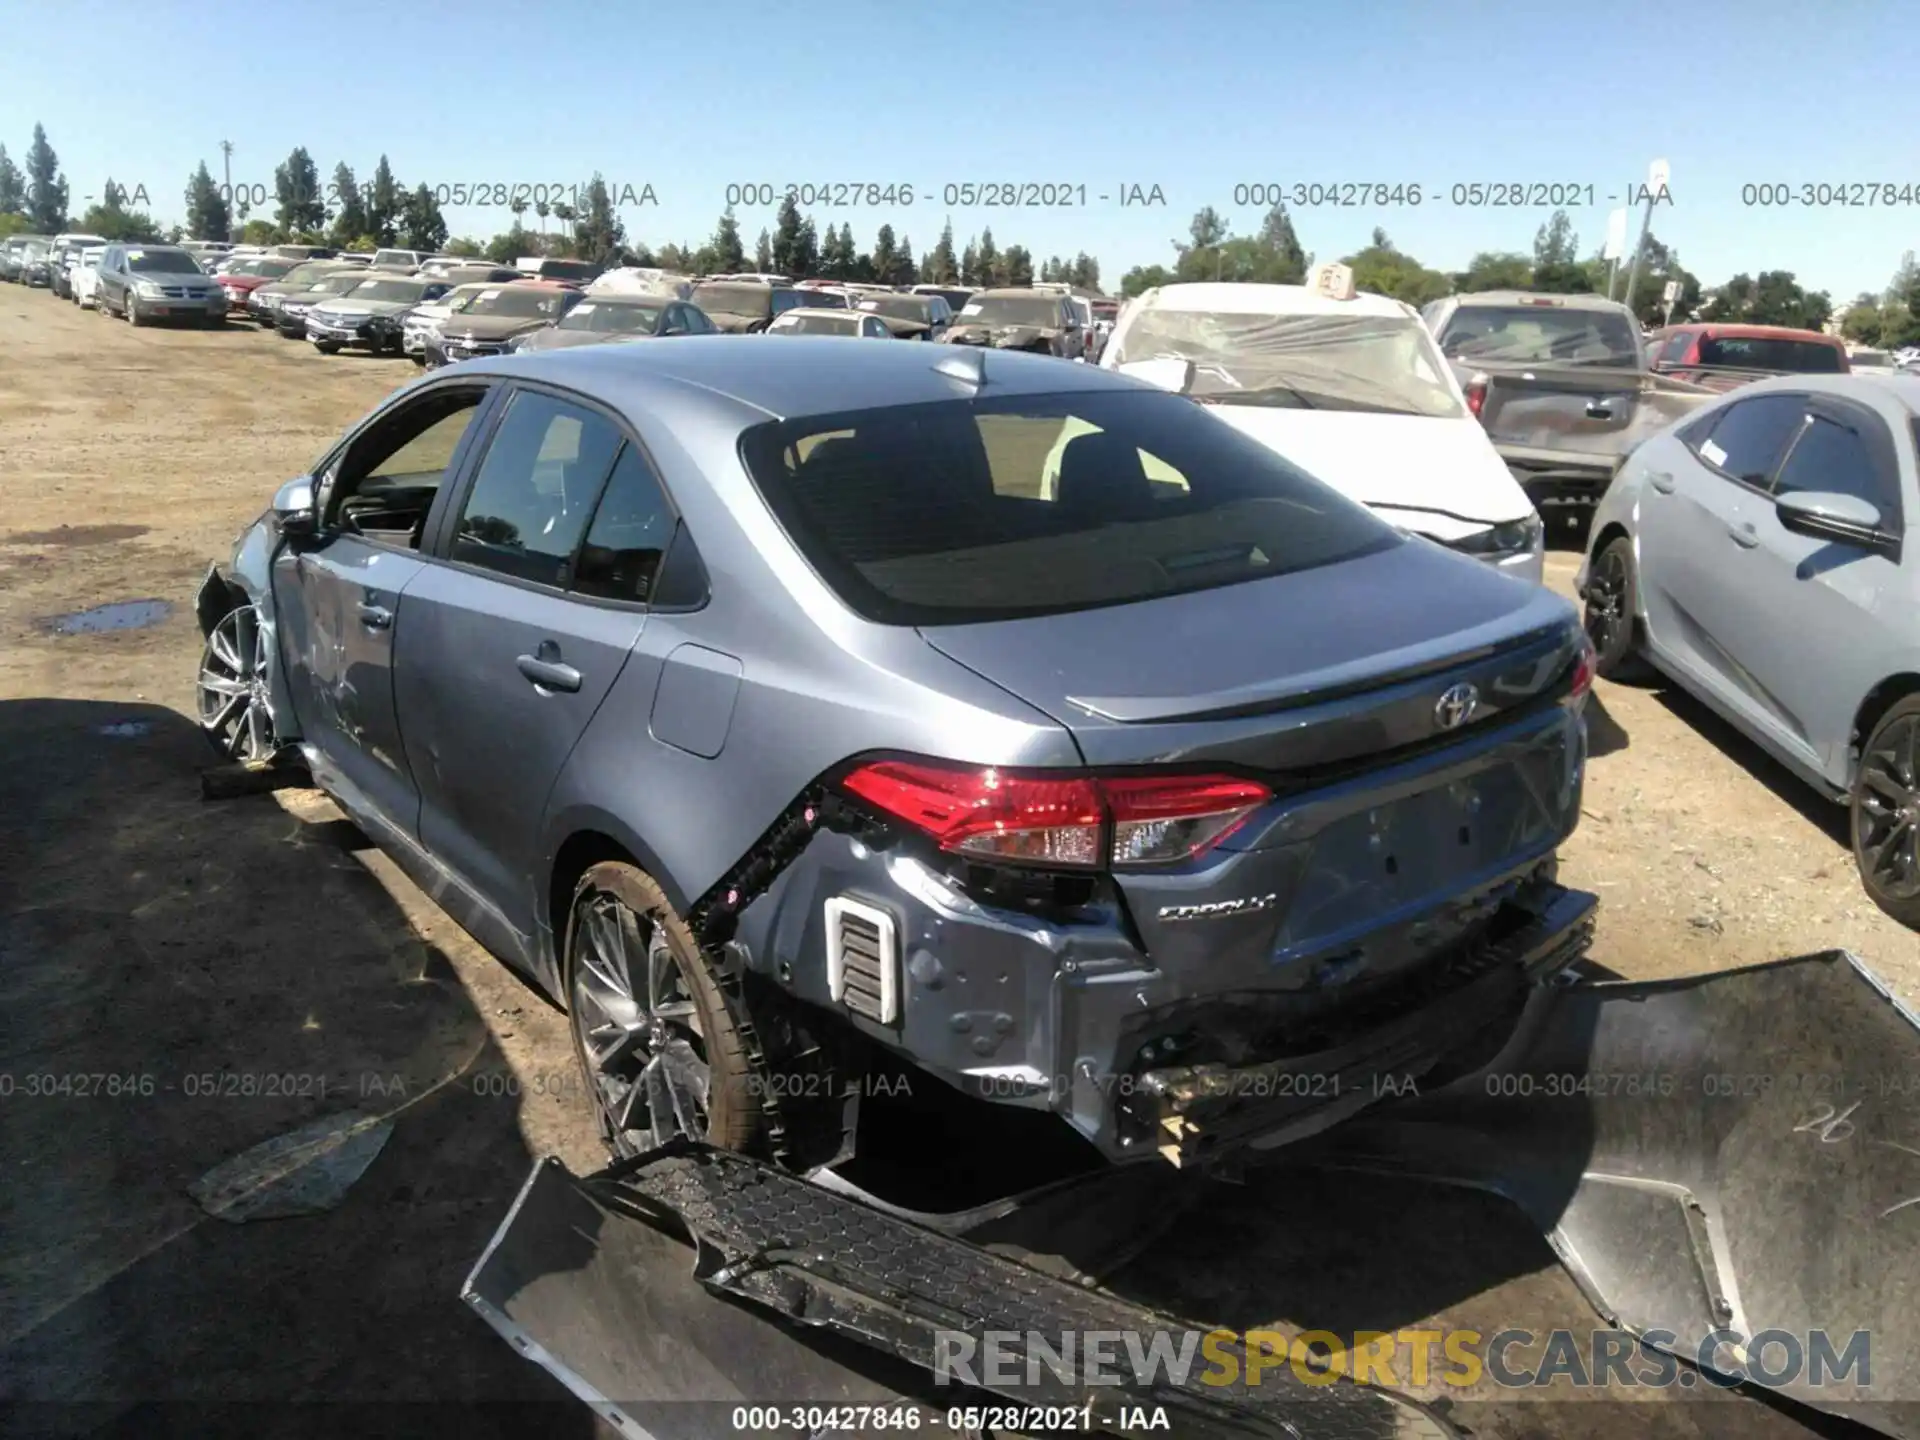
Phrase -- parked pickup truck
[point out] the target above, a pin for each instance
(1562, 385)
(1725, 357)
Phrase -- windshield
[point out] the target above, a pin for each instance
(511, 303)
(272, 269)
(161, 262)
(996, 508)
(566, 270)
(394, 257)
(602, 318)
(1041, 310)
(900, 307)
(1542, 333)
(1381, 363)
(1765, 352)
(753, 301)
(306, 273)
(409, 291)
(817, 325)
(335, 284)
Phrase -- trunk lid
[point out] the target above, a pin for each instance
(1306, 669)
(1397, 820)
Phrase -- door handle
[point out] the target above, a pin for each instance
(1661, 481)
(549, 674)
(375, 617)
(1745, 536)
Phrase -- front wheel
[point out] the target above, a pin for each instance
(130, 308)
(231, 695)
(327, 347)
(655, 1036)
(1886, 813)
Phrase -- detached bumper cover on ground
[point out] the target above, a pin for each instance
(1735, 1152)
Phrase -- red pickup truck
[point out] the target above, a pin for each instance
(1724, 357)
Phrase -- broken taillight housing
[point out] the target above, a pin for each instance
(1476, 392)
(1585, 667)
(1079, 821)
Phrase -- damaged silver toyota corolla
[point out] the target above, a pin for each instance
(758, 706)
(899, 796)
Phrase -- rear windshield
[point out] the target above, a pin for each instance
(514, 303)
(161, 262)
(994, 509)
(1759, 352)
(900, 307)
(408, 290)
(598, 315)
(791, 324)
(1542, 334)
(753, 301)
(1040, 310)
(566, 270)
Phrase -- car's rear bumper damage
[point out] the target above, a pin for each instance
(1191, 1114)
(1713, 1158)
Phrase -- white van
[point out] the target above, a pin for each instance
(1349, 387)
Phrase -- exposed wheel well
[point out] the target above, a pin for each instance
(581, 851)
(1882, 698)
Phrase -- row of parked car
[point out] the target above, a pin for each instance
(1748, 487)
(437, 309)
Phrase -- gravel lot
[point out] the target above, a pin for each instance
(146, 932)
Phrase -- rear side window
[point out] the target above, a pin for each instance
(1752, 436)
(629, 535)
(988, 509)
(529, 505)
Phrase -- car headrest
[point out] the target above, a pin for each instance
(1101, 474)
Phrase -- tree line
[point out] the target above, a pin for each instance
(350, 214)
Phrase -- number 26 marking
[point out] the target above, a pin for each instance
(1832, 1127)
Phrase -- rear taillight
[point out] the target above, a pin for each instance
(1079, 821)
(1585, 666)
(1476, 395)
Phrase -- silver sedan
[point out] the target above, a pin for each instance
(1762, 555)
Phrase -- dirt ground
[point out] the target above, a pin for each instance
(145, 932)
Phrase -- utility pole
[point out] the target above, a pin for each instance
(1657, 176)
(226, 174)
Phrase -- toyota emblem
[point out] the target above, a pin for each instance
(1455, 707)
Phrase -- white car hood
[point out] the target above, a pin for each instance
(1404, 466)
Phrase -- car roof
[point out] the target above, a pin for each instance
(1759, 332)
(1556, 299)
(1867, 385)
(798, 377)
(1237, 298)
(831, 314)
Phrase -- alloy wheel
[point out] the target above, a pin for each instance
(637, 1027)
(231, 695)
(1886, 814)
(1607, 601)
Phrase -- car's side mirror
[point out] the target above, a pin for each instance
(1828, 515)
(293, 509)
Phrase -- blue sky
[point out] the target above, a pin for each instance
(1194, 96)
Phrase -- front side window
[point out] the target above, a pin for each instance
(1833, 457)
(385, 485)
(529, 504)
(1752, 435)
(986, 509)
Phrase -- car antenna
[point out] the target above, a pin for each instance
(967, 364)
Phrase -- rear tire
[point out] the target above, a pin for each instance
(1612, 599)
(655, 1036)
(1886, 813)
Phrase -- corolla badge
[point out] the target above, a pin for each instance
(1246, 905)
(1456, 706)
